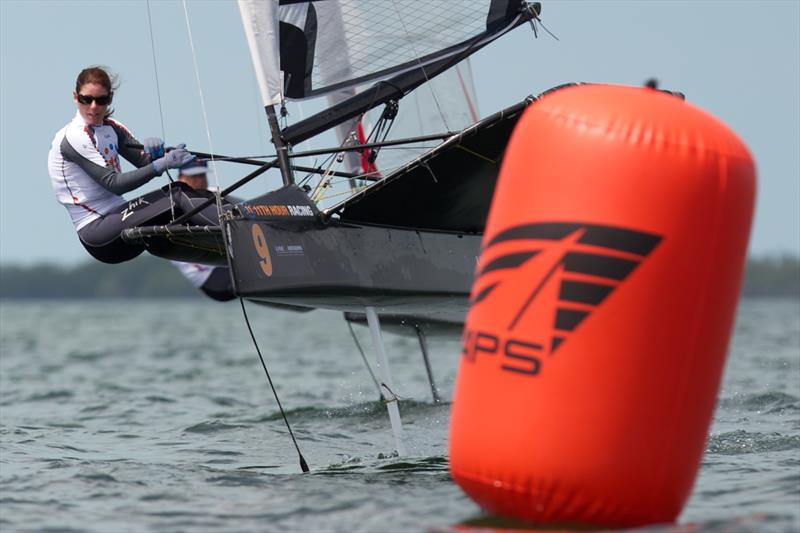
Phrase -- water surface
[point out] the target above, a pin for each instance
(157, 416)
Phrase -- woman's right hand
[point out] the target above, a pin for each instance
(154, 147)
(175, 158)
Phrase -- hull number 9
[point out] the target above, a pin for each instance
(260, 242)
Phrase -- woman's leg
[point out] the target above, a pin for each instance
(102, 239)
(218, 285)
(188, 199)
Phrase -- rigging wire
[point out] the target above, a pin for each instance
(422, 67)
(203, 108)
(358, 147)
(155, 71)
(534, 20)
(343, 193)
(160, 109)
(303, 464)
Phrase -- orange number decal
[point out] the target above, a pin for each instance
(260, 242)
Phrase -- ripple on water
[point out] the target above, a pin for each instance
(741, 442)
(65, 425)
(229, 453)
(52, 395)
(98, 477)
(241, 478)
(154, 398)
(213, 426)
(88, 356)
(386, 464)
(94, 408)
(427, 464)
(69, 448)
(365, 411)
(768, 402)
(164, 497)
(226, 401)
(113, 387)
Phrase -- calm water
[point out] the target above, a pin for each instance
(120, 416)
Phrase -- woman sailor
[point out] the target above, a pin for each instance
(87, 178)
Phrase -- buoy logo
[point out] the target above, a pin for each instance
(543, 280)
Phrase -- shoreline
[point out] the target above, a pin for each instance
(151, 278)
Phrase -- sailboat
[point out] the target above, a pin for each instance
(398, 246)
(404, 241)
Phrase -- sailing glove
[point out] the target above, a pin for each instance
(175, 158)
(154, 147)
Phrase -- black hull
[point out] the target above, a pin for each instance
(346, 267)
(407, 245)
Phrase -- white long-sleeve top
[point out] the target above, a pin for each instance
(85, 170)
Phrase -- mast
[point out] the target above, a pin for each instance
(281, 148)
(261, 26)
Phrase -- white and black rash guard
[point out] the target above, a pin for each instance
(85, 171)
(215, 282)
(196, 273)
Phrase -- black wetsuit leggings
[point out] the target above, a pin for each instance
(218, 285)
(102, 239)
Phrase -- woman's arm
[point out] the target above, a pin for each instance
(135, 156)
(86, 156)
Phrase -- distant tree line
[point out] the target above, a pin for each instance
(144, 277)
(149, 277)
(772, 276)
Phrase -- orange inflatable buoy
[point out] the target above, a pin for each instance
(602, 309)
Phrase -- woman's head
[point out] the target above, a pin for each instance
(94, 90)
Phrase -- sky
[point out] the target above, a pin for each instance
(738, 60)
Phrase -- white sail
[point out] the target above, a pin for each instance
(326, 45)
(260, 20)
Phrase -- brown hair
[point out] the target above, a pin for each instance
(100, 75)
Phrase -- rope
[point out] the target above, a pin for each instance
(203, 107)
(303, 464)
(158, 97)
(345, 193)
(155, 71)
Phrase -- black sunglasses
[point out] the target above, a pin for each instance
(85, 99)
